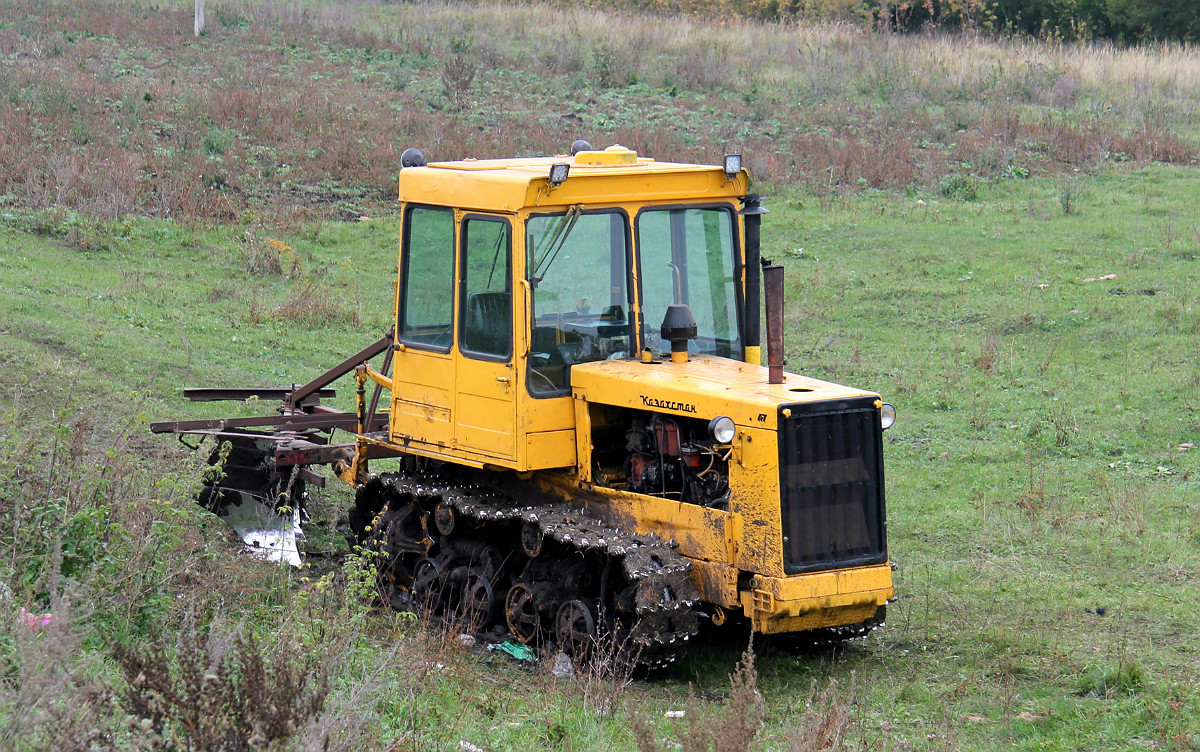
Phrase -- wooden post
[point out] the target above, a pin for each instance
(199, 17)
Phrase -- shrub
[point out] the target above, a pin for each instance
(1070, 190)
(826, 720)
(316, 304)
(458, 74)
(964, 187)
(732, 729)
(50, 698)
(226, 691)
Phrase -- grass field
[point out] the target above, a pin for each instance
(1037, 328)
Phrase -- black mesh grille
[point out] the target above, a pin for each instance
(831, 477)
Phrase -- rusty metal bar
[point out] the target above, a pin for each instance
(305, 453)
(232, 394)
(360, 399)
(385, 369)
(311, 478)
(302, 422)
(773, 283)
(297, 396)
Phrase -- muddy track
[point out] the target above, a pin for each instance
(540, 570)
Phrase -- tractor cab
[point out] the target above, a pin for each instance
(532, 267)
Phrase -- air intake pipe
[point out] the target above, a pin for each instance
(752, 212)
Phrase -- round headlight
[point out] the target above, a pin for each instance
(722, 429)
(887, 416)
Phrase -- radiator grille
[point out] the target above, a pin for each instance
(831, 478)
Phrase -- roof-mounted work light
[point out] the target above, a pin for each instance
(733, 164)
(558, 173)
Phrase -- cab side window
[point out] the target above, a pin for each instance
(486, 305)
(427, 297)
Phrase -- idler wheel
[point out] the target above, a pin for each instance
(576, 627)
(427, 585)
(478, 600)
(521, 613)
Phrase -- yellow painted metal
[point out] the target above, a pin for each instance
(583, 446)
(820, 599)
(717, 582)
(753, 355)
(717, 544)
(754, 479)
(552, 448)
(701, 533)
(378, 377)
(423, 390)
(509, 185)
(613, 155)
(485, 408)
(448, 405)
(718, 385)
(355, 472)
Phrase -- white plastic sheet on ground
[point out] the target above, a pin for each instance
(267, 533)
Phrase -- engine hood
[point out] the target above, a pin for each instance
(704, 387)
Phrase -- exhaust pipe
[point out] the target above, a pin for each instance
(773, 282)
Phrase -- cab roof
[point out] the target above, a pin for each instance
(614, 175)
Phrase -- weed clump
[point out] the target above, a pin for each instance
(49, 698)
(228, 691)
(1070, 191)
(733, 729)
(271, 257)
(964, 187)
(826, 720)
(1126, 678)
(316, 304)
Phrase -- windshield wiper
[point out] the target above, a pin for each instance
(562, 230)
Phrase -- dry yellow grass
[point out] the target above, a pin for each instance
(320, 98)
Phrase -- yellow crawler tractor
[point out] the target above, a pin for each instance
(587, 443)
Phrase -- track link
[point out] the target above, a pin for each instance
(542, 570)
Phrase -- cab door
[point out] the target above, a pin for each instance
(423, 365)
(485, 412)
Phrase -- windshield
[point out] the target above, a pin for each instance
(687, 256)
(578, 273)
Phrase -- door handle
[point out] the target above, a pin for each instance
(502, 379)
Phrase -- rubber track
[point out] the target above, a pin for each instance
(666, 600)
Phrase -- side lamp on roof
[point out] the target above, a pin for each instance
(558, 173)
(733, 164)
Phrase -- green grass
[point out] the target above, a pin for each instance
(957, 259)
(1034, 476)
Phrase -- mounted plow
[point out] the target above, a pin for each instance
(261, 464)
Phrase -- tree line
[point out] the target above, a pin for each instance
(1121, 21)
